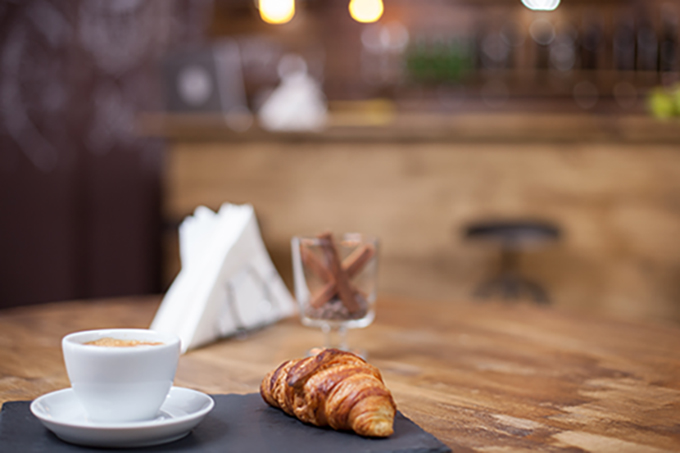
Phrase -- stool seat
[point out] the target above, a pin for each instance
(518, 234)
(513, 237)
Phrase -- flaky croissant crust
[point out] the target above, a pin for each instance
(332, 388)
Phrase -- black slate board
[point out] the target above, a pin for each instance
(238, 423)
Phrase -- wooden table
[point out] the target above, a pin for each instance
(479, 377)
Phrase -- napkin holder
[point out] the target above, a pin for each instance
(227, 283)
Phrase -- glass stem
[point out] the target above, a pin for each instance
(336, 337)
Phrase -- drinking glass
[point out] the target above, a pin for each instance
(335, 283)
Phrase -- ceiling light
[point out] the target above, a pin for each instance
(277, 11)
(366, 11)
(541, 5)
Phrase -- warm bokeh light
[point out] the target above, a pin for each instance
(366, 11)
(541, 5)
(277, 11)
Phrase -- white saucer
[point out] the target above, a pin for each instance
(62, 413)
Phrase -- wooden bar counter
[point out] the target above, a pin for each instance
(480, 377)
(610, 183)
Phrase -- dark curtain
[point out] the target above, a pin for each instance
(79, 189)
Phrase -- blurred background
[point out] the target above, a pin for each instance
(500, 149)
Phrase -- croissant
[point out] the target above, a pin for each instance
(332, 388)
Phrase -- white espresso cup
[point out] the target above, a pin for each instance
(121, 384)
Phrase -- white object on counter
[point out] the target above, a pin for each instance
(297, 104)
(228, 282)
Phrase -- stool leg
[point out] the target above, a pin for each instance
(504, 285)
(485, 289)
(538, 294)
(511, 287)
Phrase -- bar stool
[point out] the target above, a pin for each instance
(513, 237)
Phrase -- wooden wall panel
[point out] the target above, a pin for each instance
(618, 205)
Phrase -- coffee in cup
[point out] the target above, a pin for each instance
(109, 342)
(121, 375)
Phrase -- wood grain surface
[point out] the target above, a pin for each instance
(480, 377)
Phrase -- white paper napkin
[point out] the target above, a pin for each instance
(228, 282)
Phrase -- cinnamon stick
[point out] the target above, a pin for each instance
(314, 264)
(358, 259)
(345, 291)
(352, 265)
(324, 295)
